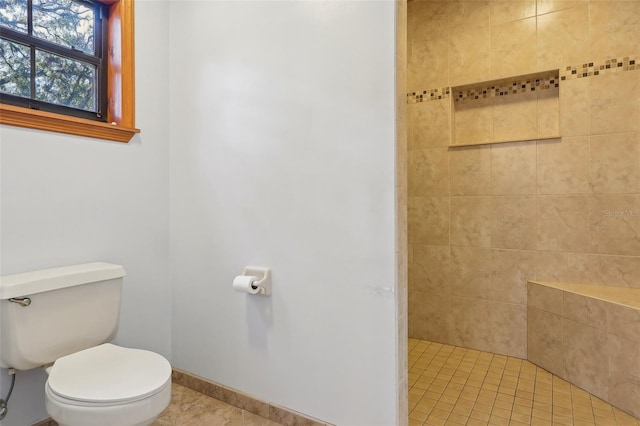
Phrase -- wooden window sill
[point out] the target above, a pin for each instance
(41, 120)
(121, 90)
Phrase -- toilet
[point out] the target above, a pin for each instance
(62, 319)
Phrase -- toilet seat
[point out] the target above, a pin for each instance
(108, 385)
(142, 412)
(108, 375)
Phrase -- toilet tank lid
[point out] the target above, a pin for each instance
(28, 283)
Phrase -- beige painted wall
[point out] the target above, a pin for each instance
(483, 220)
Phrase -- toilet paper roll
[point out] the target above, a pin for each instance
(244, 284)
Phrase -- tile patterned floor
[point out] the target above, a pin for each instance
(191, 408)
(449, 385)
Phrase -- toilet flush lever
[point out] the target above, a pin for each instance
(22, 301)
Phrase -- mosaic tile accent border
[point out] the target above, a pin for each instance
(428, 95)
(509, 88)
(571, 72)
(607, 66)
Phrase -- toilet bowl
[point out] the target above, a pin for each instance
(108, 385)
(64, 317)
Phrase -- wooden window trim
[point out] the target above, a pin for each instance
(120, 126)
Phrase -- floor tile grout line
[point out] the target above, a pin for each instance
(519, 382)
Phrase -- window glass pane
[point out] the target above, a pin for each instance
(64, 22)
(65, 81)
(13, 14)
(14, 69)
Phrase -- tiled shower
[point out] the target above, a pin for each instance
(484, 219)
(523, 160)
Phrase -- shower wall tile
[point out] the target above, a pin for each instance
(562, 166)
(506, 11)
(615, 104)
(512, 45)
(469, 64)
(473, 121)
(547, 6)
(428, 220)
(614, 163)
(469, 326)
(511, 269)
(471, 221)
(402, 288)
(551, 266)
(585, 310)
(624, 374)
(548, 110)
(469, 14)
(401, 31)
(616, 271)
(401, 147)
(421, 12)
(435, 66)
(471, 272)
(402, 254)
(402, 381)
(613, 28)
(563, 37)
(411, 316)
(563, 223)
(565, 209)
(428, 66)
(586, 357)
(429, 173)
(410, 125)
(514, 223)
(594, 344)
(430, 124)
(513, 168)
(514, 116)
(410, 260)
(488, 325)
(468, 60)
(508, 323)
(624, 323)
(544, 340)
(574, 107)
(401, 219)
(615, 224)
(430, 271)
(430, 317)
(545, 298)
(470, 169)
(402, 394)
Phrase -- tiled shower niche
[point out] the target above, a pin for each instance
(519, 108)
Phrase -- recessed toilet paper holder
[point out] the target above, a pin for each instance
(264, 278)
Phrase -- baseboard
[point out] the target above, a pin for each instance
(238, 399)
(46, 422)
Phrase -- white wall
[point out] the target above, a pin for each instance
(281, 125)
(282, 155)
(67, 200)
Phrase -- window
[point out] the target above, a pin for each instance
(67, 66)
(53, 56)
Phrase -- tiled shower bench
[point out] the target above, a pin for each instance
(588, 335)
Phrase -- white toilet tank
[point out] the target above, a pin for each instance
(50, 313)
